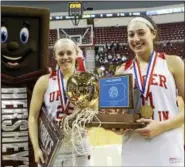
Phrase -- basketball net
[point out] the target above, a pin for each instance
(74, 126)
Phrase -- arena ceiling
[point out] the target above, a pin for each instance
(61, 6)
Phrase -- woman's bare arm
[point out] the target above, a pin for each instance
(176, 67)
(35, 107)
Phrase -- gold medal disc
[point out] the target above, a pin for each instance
(146, 111)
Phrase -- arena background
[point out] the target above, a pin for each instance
(104, 45)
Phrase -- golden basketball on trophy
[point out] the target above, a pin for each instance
(82, 89)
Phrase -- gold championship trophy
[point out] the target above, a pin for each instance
(114, 93)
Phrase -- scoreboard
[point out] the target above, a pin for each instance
(75, 9)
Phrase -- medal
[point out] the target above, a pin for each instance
(144, 84)
(63, 96)
(146, 112)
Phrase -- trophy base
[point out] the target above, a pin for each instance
(117, 121)
(116, 125)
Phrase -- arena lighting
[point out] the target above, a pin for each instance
(92, 15)
(123, 14)
(69, 17)
(57, 17)
(109, 15)
(86, 16)
(136, 13)
(165, 11)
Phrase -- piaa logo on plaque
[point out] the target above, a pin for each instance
(113, 92)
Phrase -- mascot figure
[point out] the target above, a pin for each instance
(24, 58)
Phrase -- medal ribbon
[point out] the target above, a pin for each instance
(63, 96)
(144, 84)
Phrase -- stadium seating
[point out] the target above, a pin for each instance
(52, 36)
(169, 31)
(111, 47)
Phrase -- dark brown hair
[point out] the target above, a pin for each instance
(153, 24)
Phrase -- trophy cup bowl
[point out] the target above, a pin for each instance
(84, 88)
